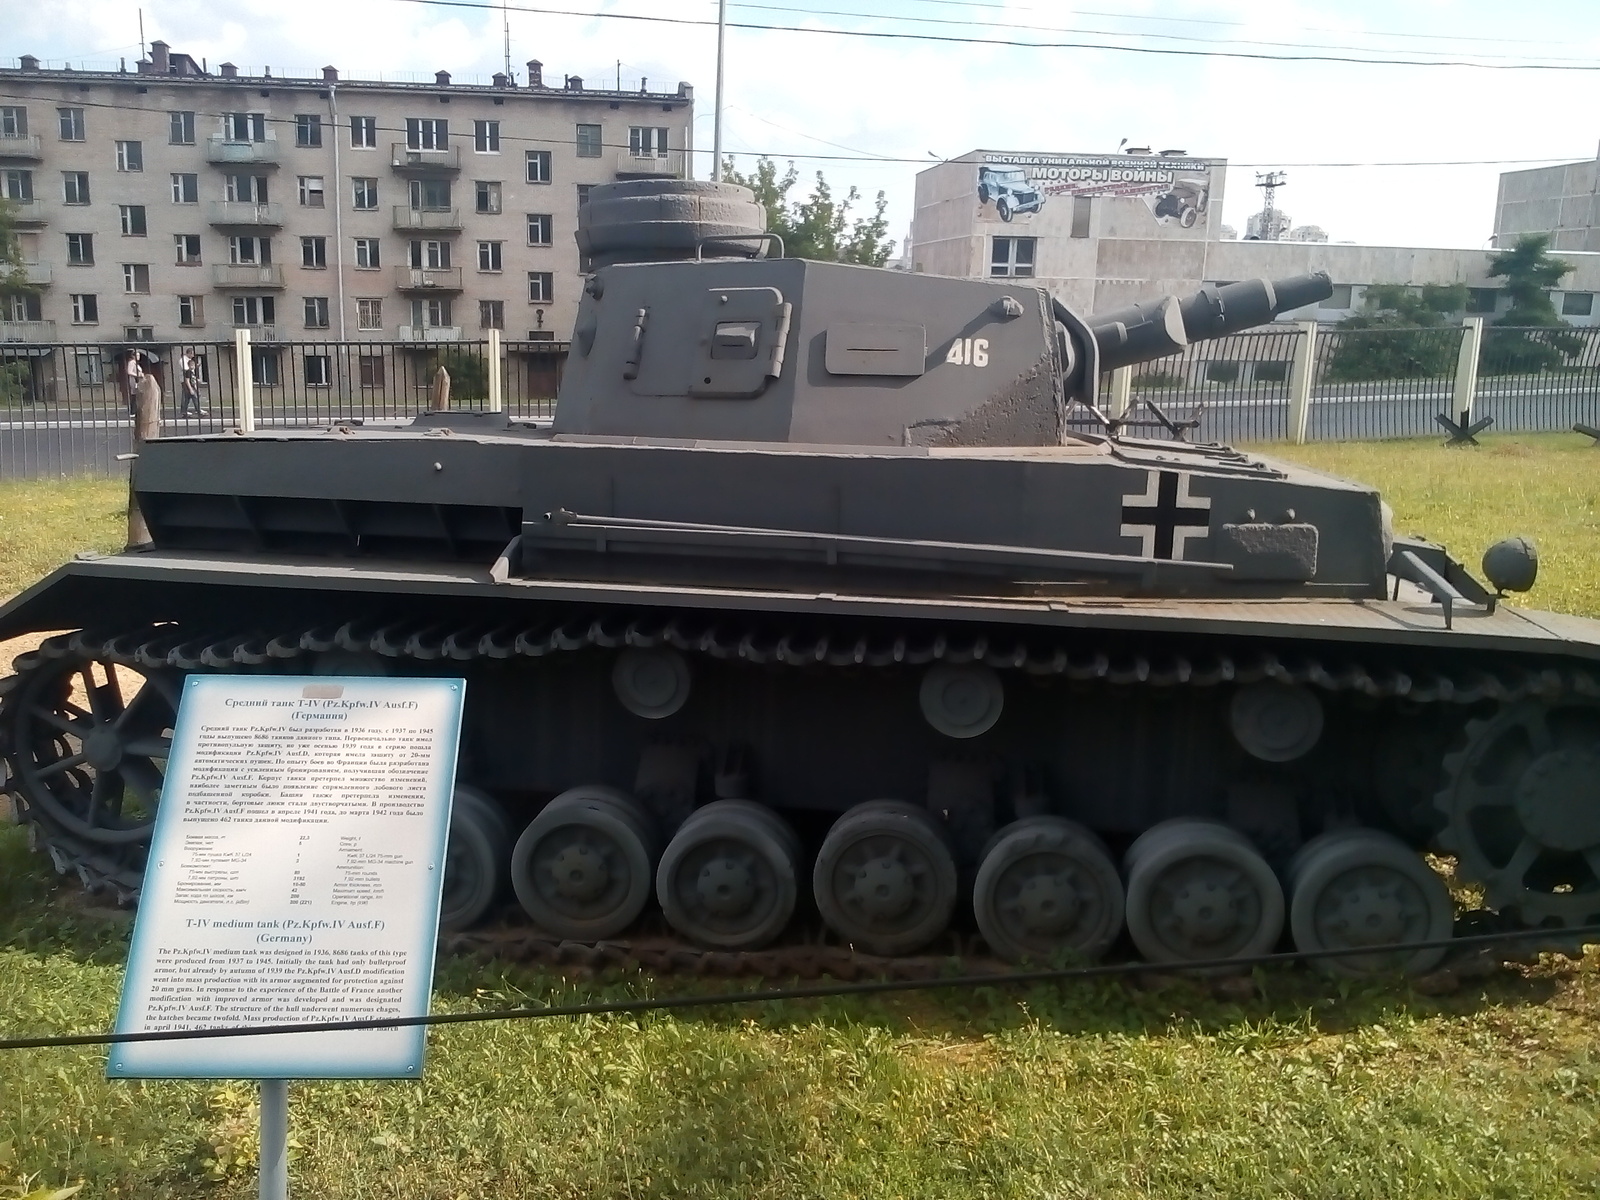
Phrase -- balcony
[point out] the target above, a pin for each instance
(38, 274)
(27, 331)
(408, 219)
(261, 333)
(27, 147)
(424, 162)
(668, 165)
(244, 213)
(224, 152)
(27, 212)
(246, 275)
(427, 279)
(428, 333)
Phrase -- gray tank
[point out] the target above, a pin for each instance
(812, 609)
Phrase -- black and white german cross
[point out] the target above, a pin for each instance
(1165, 515)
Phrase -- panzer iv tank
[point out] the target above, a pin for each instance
(812, 604)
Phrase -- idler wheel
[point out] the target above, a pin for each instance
(1198, 890)
(962, 701)
(651, 683)
(1360, 887)
(583, 868)
(1276, 722)
(727, 878)
(884, 879)
(1046, 886)
(477, 860)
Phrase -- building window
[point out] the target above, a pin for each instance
(583, 193)
(1082, 207)
(365, 193)
(316, 312)
(369, 367)
(489, 256)
(75, 187)
(367, 253)
(13, 121)
(254, 310)
(434, 313)
(16, 184)
(72, 129)
(80, 249)
(538, 166)
(138, 333)
(430, 256)
(132, 216)
(191, 312)
(539, 229)
(247, 189)
(1577, 304)
(491, 314)
(21, 308)
(311, 191)
(244, 127)
(318, 366)
(645, 142)
(488, 195)
(363, 133)
(541, 286)
(264, 365)
(1342, 297)
(85, 309)
(307, 129)
(187, 246)
(430, 195)
(136, 279)
(588, 141)
(130, 156)
(89, 367)
(427, 133)
(1482, 300)
(250, 251)
(185, 189)
(314, 252)
(1012, 256)
(486, 137)
(369, 315)
(180, 129)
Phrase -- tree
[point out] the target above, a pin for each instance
(13, 278)
(1401, 335)
(1529, 337)
(819, 228)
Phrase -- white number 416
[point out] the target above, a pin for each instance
(969, 352)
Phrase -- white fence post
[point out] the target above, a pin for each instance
(1466, 388)
(1300, 373)
(496, 397)
(1121, 392)
(244, 387)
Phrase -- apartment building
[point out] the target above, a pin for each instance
(172, 204)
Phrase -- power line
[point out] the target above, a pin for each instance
(1026, 45)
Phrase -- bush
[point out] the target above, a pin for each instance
(15, 384)
(469, 375)
(1527, 351)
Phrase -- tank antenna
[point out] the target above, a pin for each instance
(716, 122)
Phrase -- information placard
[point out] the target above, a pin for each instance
(294, 876)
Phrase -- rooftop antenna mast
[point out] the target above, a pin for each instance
(141, 34)
(716, 124)
(505, 16)
(1269, 183)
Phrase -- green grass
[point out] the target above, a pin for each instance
(1307, 1089)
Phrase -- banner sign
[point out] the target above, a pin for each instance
(1174, 188)
(294, 875)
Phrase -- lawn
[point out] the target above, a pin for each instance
(1300, 1088)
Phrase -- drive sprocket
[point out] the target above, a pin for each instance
(1521, 803)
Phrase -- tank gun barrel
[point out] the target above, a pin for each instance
(1156, 328)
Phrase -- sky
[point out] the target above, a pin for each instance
(868, 110)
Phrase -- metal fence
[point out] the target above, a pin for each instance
(64, 409)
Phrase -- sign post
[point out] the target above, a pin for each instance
(294, 876)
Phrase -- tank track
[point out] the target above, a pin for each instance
(441, 644)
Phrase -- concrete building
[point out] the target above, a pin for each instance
(1562, 202)
(1102, 231)
(175, 204)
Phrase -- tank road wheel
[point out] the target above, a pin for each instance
(884, 879)
(1359, 887)
(1046, 885)
(583, 868)
(727, 879)
(1198, 890)
(477, 859)
(1521, 801)
(89, 746)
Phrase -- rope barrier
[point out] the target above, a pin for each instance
(820, 991)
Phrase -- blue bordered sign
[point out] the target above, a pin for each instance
(294, 876)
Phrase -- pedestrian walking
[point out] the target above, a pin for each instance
(189, 386)
(132, 373)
